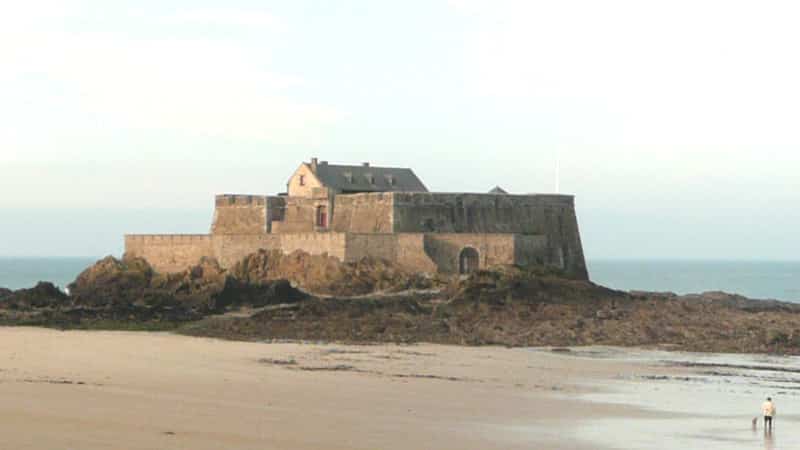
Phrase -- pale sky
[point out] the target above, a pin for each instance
(677, 123)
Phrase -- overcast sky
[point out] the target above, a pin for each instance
(677, 123)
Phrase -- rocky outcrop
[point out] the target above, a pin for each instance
(509, 306)
(203, 289)
(123, 292)
(372, 301)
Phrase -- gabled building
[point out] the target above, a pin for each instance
(343, 179)
(357, 211)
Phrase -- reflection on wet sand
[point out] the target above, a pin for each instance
(694, 400)
(769, 440)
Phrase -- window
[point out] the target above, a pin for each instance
(322, 216)
(390, 180)
(370, 178)
(302, 180)
(348, 176)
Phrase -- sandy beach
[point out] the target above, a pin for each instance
(101, 390)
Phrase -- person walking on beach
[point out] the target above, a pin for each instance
(768, 408)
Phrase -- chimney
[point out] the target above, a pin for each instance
(314, 163)
(365, 164)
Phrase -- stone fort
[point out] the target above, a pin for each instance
(357, 211)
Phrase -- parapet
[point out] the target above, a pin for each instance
(451, 197)
(166, 238)
(223, 200)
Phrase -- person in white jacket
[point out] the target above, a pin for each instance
(768, 409)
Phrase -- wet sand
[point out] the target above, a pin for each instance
(101, 390)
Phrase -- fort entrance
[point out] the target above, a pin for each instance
(468, 260)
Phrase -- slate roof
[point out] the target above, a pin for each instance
(369, 178)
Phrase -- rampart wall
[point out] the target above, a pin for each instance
(239, 214)
(533, 250)
(176, 252)
(421, 231)
(229, 249)
(546, 225)
(299, 215)
(169, 252)
(423, 252)
(476, 213)
(360, 246)
(445, 248)
(363, 213)
(334, 244)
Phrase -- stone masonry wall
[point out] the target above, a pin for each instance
(276, 209)
(229, 249)
(476, 213)
(333, 244)
(175, 252)
(532, 250)
(359, 246)
(169, 252)
(444, 249)
(299, 215)
(551, 216)
(363, 213)
(419, 231)
(429, 252)
(411, 253)
(239, 214)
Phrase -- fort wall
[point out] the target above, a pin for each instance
(407, 250)
(546, 225)
(169, 252)
(334, 244)
(532, 250)
(420, 231)
(298, 216)
(239, 214)
(444, 249)
(364, 213)
(175, 252)
(476, 213)
(229, 249)
(411, 253)
(360, 246)
(423, 252)
(276, 209)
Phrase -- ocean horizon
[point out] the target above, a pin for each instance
(779, 280)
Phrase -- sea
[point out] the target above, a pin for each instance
(18, 273)
(778, 280)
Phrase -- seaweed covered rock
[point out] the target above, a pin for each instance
(111, 281)
(505, 283)
(202, 289)
(323, 274)
(43, 295)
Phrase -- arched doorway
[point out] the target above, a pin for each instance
(468, 260)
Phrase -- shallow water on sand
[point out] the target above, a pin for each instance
(708, 401)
